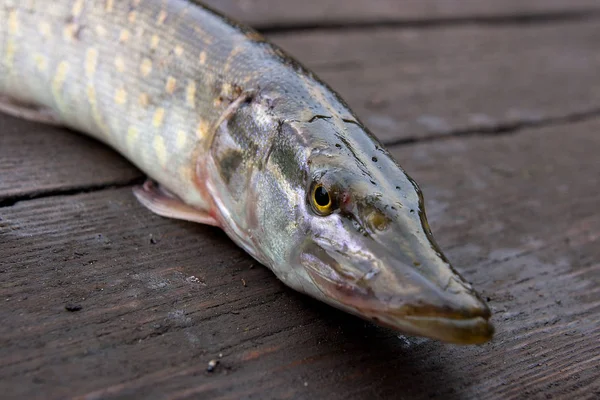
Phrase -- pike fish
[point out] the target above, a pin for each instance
(235, 133)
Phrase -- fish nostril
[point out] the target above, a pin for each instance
(378, 221)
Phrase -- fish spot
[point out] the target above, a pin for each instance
(171, 85)
(121, 96)
(132, 136)
(202, 57)
(41, 62)
(202, 129)
(190, 93)
(144, 100)
(154, 42)
(162, 16)
(91, 61)
(146, 67)
(120, 64)
(59, 79)
(227, 90)
(374, 159)
(184, 172)
(178, 51)
(236, 50)
(158, 118)
(9, 56)
(77, 8)
(132, 16)
(160, 149)
(61, 74)
(71, 31)
(202, 35)
(91, 94)
(45, 29)
(181, 139)
(13, 22)
(100, 31)
(124, 36)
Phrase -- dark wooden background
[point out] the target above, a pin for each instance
(493, 106)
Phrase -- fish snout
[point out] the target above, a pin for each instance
(430, 300)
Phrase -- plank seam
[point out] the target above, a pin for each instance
(503, 128)
(68, 191)
(539, 18)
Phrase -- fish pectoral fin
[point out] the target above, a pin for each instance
(164, 203)
(29, 112)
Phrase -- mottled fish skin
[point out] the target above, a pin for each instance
(240, 131)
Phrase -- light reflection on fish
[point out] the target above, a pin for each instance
(238, 135)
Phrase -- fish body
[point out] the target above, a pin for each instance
(239, 135)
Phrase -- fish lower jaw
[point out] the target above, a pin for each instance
(476, 330)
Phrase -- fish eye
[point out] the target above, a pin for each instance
(321, 200)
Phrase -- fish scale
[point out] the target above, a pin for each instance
(235, 133)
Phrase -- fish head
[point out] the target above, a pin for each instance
(325, 206)
(367, 247)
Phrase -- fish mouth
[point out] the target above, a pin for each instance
(475, 330)
(399, 296)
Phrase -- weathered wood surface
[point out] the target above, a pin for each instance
(415, 83)
(275, 14)
(517, 214)
(37, 159)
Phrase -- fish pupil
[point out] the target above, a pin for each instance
(322, 196)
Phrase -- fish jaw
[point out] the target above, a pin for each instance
(476, 330)
(398, 296)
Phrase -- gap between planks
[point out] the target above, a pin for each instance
(502, 128)
(69, 191)
(434, 23)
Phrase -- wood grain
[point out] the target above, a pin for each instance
(277, 13)
(407, 83)
(38, 160)
(160, 298)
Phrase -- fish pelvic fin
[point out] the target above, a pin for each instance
(166, 204)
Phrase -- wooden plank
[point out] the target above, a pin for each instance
(37, 159)
(403, 83)
(160, 298)
(407, 83)
(278, 13)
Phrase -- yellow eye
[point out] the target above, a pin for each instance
(321, 200)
